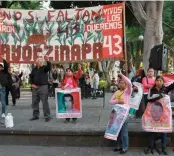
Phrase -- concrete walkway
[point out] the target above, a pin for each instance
(68, 151)
(88, 131)
(95, 117)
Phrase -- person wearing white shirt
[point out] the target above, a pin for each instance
(95, 82)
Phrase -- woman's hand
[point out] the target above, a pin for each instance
(79, 66)
(120, 102)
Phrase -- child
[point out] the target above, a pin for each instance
(71, 81)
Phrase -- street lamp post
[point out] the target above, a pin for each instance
(139, 51)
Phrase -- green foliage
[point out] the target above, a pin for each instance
(32, 5)
(132, 33)
(103, 83)
(168, 25)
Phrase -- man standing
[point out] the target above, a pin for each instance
(39, 81)
(3, 84)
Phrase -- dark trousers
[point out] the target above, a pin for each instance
(143, 106)
(55, 85)
(40, 94)
(12, 90)
(18, 92)
(153, 137)
(145, 100)
(87, 91)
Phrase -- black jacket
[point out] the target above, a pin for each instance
(3, 75)
(54, 75)
(159, 93)
(39, 76)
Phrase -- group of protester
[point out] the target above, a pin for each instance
(153, 90)
(39, 82)
(88, 84)
(9, 83)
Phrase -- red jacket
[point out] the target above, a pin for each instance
(75, 78)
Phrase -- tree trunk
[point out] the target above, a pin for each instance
(153, 34)
(149, 15)
(107, 67)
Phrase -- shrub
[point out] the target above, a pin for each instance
(103, 83)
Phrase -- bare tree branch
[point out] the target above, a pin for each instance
(9, 6)
(139, 12)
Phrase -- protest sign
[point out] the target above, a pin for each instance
(65, 35)
(68, 103)
(158, 116)
(136, 96)
(117, 118)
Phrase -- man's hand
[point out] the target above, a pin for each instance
(3, 58)
(34, 86)
(46, 58)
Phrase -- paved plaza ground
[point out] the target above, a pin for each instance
(55, 138)
(68, 151)
(95, 117)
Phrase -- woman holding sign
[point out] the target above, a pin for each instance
(157, 92)
(71, 81)
(122, 97)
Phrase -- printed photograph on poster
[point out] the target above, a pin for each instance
(136, 96)
(117, 117)
(158, 116)
(68, 103)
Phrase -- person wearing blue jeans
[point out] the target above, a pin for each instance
(3, 84)
(123, 139)
(3, 100)
(121, 97)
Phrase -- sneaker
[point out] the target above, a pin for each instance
(3, 115)
(117, 149)
(74, 121)
(148, 150)
(34, 118)
(123, 151)
(47, 119)
(164, 151)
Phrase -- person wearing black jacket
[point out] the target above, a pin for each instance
(157, 92)
(12, 82)
(3, 84)
(55, 81)
(20, 83)
(39, 83)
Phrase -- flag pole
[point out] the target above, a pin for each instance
(124, 29)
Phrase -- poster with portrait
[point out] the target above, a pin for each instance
(68, 103)
(136, 96)
(117, 118)
(158, 116)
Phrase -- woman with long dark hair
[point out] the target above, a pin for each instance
(71, 81)
(157, 92)
(148, 82)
